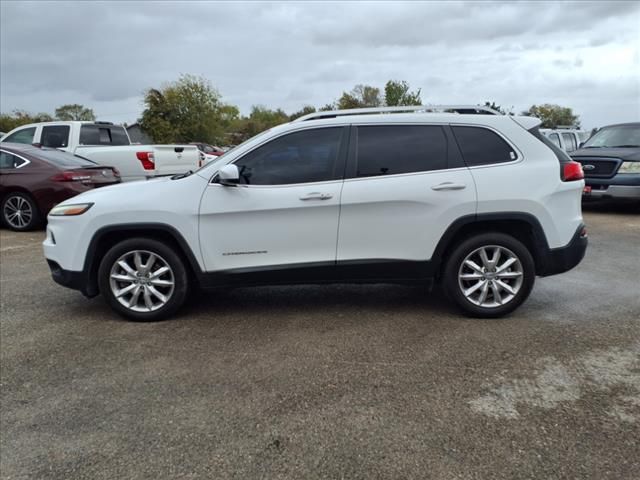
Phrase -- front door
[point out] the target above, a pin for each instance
(284, 212)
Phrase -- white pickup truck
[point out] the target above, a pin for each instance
(109, 145)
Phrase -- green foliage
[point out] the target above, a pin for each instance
(9, 121)
(306, 110)
(553, 116)
(186, 110)
(396, 93)
(75, 111)
(361, 96)
(260, 119)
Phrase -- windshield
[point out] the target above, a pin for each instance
(621, 136)
(62, 159)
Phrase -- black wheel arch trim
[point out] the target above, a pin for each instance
(539, 240)
(91, 263)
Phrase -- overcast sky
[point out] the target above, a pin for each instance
(585, 55)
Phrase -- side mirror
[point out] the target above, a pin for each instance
(229, 175)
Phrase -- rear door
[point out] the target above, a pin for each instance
(405, 185)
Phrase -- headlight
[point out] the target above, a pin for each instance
(68, 210)
(629, 167)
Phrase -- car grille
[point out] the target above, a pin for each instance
(599, 167)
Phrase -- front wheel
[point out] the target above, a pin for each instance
(489, 275)
(143, 279)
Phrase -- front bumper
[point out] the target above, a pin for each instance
(623, 185)
(70, 279)
(563, 259)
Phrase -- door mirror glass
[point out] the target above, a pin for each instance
(229, 175)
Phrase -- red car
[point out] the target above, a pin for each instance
(34, 179)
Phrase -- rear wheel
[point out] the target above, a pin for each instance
(143, 279)
(20, 212)
(489, 275)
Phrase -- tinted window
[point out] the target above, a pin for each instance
(569, 141)
(393, 149)
(62, 159)
(301, 157)
(21, 136)
(55, 136)
(481, 146)
(10, 161)
(555, 138)
(91, 134)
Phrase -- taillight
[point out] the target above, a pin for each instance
(572, 171)
(71, 176)
(147, 160)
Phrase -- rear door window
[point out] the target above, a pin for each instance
(22, 136)
(92, 134)
(395, 149)
(55, 136)
(481, 146)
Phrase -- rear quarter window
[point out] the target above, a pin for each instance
(481, 146)
(91, 134)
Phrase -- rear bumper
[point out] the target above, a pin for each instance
(563, 259)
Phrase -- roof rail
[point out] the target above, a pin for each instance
(473, 109)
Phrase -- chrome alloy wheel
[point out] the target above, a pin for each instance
(490, 276)
(141, 281)
(17, 212)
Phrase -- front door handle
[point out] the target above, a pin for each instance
(449, 186)
(316, 196)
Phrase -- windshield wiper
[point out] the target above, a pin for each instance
(592, 146)
(625, 146)
(181, 175)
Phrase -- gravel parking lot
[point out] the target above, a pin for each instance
(327, 381)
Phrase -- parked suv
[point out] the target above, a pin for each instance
(479, 202)
(611, 162)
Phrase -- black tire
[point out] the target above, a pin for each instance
(167, 254)
(453, 285)
(23, 202)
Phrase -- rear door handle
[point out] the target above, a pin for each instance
(449, 186)
(316, 196)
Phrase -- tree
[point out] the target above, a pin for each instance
(553, 115)
(361, 96)
(306, 110)
(9, 121)
(260, 119)
(186, 110)
(396, 93)
(74, 111)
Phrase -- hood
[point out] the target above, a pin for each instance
(629, 154)
(134, 195)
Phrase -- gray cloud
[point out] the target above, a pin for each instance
(105, 54)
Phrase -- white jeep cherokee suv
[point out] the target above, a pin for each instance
(477, 201)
